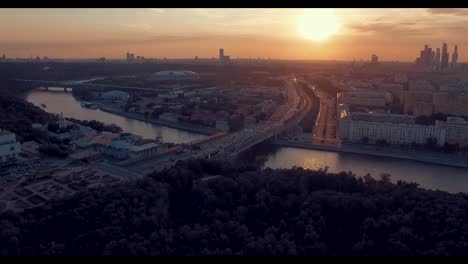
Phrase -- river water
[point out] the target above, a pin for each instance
(57, 101)
(429, 176)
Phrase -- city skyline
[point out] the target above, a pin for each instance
(193, 132)
(247, 33)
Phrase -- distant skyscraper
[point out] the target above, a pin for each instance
(455, 57)
(437, 58)
(445, 57)
(374, 59)
(223, 59)
(426, 57)
(130, 57)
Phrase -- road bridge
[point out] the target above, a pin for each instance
(79, 85)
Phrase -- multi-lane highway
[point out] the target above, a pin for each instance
(325, 125)
(286, 116)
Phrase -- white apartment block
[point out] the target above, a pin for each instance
(394, 129)
(395, 134)
(9, 148)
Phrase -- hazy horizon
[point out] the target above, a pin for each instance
(392, 34)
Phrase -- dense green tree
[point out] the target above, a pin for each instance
(184, 210)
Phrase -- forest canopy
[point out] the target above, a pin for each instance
(201, 207)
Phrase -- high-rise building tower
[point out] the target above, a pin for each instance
(223, 59)
(455, 57)
(426, 57)
(374, 59)
(130, 57)
(445, 57)
(437, 58)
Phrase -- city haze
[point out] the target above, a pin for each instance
(393, 34)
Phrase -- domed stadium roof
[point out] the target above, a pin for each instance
(176, 75)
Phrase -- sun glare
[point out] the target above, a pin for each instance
(318, 24)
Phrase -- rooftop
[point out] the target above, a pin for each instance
(383, 118)
(176, 74)
(143, 147)
(457, 120)
(105, 138)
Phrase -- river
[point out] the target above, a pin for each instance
(429, 176)
(57, 101)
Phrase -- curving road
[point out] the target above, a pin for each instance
(286, 116)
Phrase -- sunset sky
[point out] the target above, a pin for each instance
(393, 34)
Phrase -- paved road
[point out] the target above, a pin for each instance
(294, 110)
(325, 126)
(287, 115)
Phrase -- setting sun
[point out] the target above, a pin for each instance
(318, 24)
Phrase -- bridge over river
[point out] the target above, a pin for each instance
(285, 119)
(80, 85)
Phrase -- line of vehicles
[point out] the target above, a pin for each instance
(238, 141)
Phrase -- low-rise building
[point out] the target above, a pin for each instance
(86, 154)
(115, 96)
(37, 126)
(60, 136)
(358, 84)
(9, 148)
(451, 103)
(420, 85)
(249, 121)
(118, 149)
(146, 150)
(366, 98)
(415, 101)
(428, 102)
(167, 116)
(168, 95)
(222, 125)
(400, 78)
(457, 130)
(395, 89)
(30, 148)
(268, 106)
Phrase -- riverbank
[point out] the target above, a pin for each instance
(425, 157)
(177, 125)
